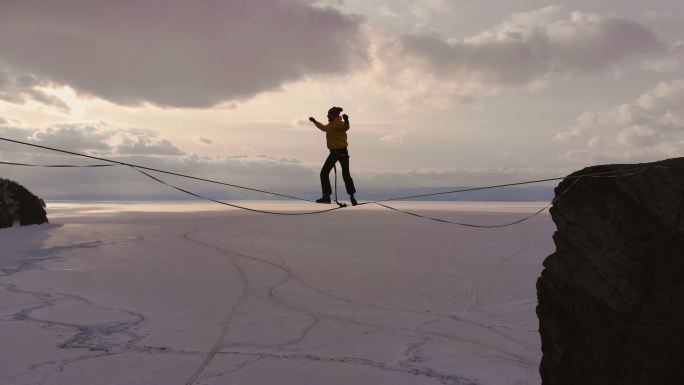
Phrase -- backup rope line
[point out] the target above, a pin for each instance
(230, 204)
(152, 169)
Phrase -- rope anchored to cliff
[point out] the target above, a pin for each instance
(381, 203)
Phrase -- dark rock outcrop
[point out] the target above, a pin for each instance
(611, 298)
(19, 205)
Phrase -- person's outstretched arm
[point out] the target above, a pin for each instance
(346, 121)
(319, 125)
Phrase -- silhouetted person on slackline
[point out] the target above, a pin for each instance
(336, 138)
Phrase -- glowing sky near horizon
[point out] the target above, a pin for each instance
(439, 93)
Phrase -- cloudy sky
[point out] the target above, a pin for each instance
(439, 93)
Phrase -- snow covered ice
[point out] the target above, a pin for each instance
(188, 293)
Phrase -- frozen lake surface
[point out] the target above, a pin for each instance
(194, 293)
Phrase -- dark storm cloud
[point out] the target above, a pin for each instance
(174, 52)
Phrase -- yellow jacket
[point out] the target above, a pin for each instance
(335, 133)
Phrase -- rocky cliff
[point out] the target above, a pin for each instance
(611, 298)
(18, 205)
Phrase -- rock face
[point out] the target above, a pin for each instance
(17, 204)
(611, 298)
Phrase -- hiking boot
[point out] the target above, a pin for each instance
(324, 199)
(353, 200)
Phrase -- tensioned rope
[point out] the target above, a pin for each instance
(151, 169)
(172, 186)
(140, 168)
(501, 185)
(56, 165)
(378, 202)
(522, 219)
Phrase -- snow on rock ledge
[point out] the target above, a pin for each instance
(19, 205)
(611, 298)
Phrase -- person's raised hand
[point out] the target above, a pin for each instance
(345, 117)
(312, 120)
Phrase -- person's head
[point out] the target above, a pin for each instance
(333, 113)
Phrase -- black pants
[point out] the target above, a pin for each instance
(338, 155)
